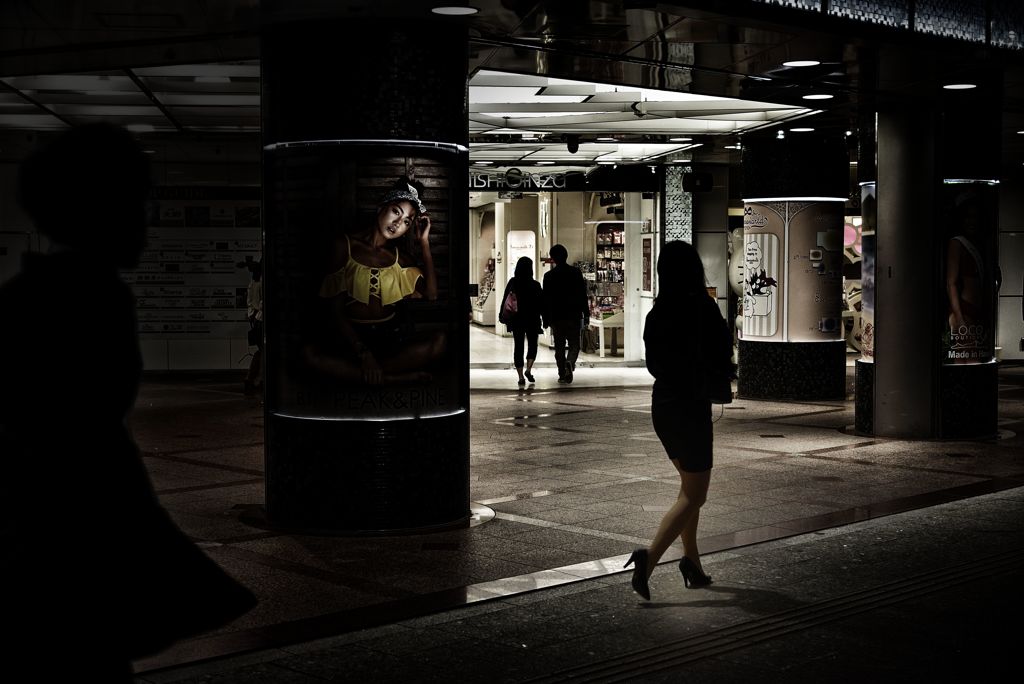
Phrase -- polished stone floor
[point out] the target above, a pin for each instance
(566, 481)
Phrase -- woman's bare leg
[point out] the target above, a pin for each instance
(683, 516)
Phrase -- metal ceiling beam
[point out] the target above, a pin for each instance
(154, 99)
(35, 103)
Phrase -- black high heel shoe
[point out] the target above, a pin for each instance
(692, 577)
(639, 581)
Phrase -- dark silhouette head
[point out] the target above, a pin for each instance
(87, 190)
(680, 270)
(559, 254)
(524, 268)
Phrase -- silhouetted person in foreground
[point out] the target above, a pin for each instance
(93, 572)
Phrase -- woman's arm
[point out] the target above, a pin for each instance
(429, 274)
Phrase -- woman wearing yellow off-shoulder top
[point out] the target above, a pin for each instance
(368, 339)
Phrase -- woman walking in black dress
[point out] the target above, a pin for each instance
(680, 407)
(525, 321)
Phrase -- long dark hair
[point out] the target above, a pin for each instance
(680, 270)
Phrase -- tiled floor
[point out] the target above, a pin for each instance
(574, 477)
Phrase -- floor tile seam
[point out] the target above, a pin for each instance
(525, 496)
(568, 527)
(206, 487)
(361, 585)
(900, 466)
(173, 456)
(549, 414)
(553, 428)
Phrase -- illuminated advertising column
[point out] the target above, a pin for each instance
(792, 343)
(793, 253)
(968, 256)
(366, 269)
(864, 392)
(969, 272)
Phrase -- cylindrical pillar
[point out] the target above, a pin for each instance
(365, 251)
(792, 343)
(932, 372)
(905, 277)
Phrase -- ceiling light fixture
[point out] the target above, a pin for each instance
(959, 86)
(680, 139)
(732, 147)
(607, 139)
(545, 163)
(818, 96)
(800, 130)
(483, 163)
(455, 11)
(606, 162)
(801, 63)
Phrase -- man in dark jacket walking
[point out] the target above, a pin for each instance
(566, 310)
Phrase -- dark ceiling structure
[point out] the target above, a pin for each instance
(191, 67)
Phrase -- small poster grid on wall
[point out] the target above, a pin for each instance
(192, 279)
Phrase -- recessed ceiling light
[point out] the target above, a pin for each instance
(483, 163)
(680, 139)
(959, 86)
(800, 130)
(732, 147)
(545, 163)
(801, 63)
(455, 11)
(606, 162)
(607, 139)
(818, 96)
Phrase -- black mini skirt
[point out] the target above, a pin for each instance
(684, 427)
